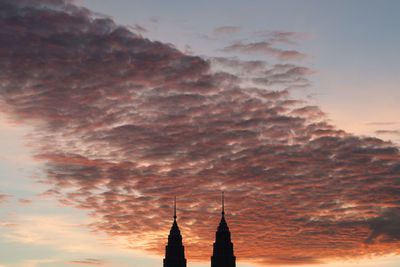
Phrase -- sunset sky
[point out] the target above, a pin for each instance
(109, 109)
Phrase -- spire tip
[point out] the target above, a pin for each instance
(223, 204)
(174, 208)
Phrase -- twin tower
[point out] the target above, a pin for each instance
(222, 252)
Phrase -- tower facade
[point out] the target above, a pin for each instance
(223, 247)
(174, 251)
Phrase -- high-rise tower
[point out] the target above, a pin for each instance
(223, 247)
(175, 251)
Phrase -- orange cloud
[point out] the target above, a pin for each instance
(88, 261)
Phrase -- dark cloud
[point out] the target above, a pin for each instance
(41, 3)
(386, 228)
(123, 124)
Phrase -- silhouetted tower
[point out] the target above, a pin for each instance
(175, 251)
(223, 247)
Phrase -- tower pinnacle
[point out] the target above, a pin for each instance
(175, 251)
(223, 204)
(174, 208)
(223, 248)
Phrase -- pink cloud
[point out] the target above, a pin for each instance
(395, 132)
(227, 29)
(25, 201)
(266, 48)
(4, 197)
(284, 37)
(124, 124)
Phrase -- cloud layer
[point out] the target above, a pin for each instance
(124, 124)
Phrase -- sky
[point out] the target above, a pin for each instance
(110, 109)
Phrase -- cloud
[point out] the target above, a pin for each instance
(88, 261)
(260, 74)
(4, 197)
(289, 75)
(381, 123)
(123, 124)
(386, 227)
(138, 28)
(396, 132)
(25, 201)
(266, 48)
(238, 66)
(226, 30)
(270, 44)
(284, 37)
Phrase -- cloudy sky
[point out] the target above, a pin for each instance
(109, 109)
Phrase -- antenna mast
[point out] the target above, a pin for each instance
(223, 204)
(174, 208)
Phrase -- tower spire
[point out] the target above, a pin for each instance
(175, 208)
(223, 204)
(223, 248)
(175, 251)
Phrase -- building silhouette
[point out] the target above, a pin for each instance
(223, 247)
(175, 251)
(222, 250)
